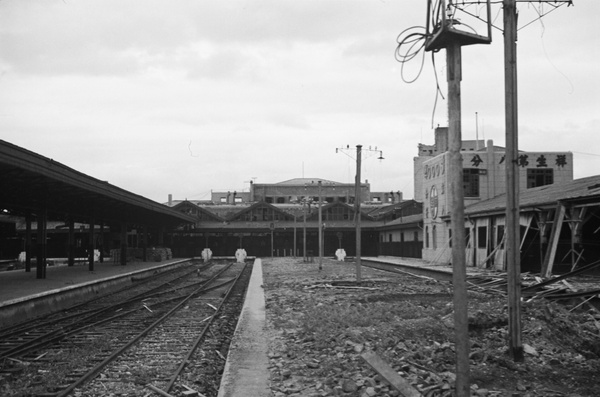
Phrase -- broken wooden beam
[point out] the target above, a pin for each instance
(391, 376)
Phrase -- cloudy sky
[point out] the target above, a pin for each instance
(184, 97)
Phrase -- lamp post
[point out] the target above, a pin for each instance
(320, 231)
(357, 200)
(304, 230)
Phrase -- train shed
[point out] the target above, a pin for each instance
(39, 189)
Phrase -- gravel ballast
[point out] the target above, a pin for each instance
(319, 322)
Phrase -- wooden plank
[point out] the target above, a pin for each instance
(553, 243)
(391, 376)
(159, 391)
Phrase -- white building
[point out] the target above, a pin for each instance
(484, 177)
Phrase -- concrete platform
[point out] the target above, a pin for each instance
(246, 371)
(23, 296)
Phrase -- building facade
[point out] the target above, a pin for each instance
(282, 219)
(295, 190)
(484, 177)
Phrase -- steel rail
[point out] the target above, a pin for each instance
(97, 368)
(196, 343)
(74, 328)
(33, 324)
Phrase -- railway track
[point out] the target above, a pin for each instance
(145, 333)
(20, 338)
(440, 275)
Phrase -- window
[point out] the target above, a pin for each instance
(450, 238)
(539, 177)
(390, 237)
(471, 182)
(499, 234)
(223, 199)
(434, 237)
(336, 214)
(402, 236)
(237, 199)
(416, 236)
(280, 200)
(426, 236)
(482, 237)
(269, 200)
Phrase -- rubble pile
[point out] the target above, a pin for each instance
(321, 325)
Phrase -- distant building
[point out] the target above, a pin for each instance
(294, 190)
(229, 197)
(483, 178)
(271, 218)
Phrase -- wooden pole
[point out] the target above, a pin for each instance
(144, 243)
(42, 249)
(28, 249)
(123, 243)
(459, 271)
(304, 230)
(91, 246)
(357, 197)
(272, 246)
(71, 259)
(320, 230)
(101, 241)
(513, 259)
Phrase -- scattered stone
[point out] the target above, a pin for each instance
(530, 350)
(369, 392)
(349, 386)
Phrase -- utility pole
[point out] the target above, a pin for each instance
(357, 199)
(320, 230)
(272, 227)
(357, 213)
(304, 229)
(444, 30)
(295, 237)
(457, 219)
(513, 254)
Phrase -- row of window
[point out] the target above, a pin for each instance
(288, 199)
(268, 214)
(535, 177)
(390, 239)
(481, 236)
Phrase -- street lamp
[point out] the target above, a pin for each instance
(357, 199)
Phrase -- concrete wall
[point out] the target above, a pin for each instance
(490, 166)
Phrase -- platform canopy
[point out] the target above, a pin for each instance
(30, 182)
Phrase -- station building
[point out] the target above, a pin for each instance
(282, 219)
(298, 189)
(483, 179)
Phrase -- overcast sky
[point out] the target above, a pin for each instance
(185, 97)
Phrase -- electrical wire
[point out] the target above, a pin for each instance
(410, 43)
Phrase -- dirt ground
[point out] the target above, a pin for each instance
(320, 324)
